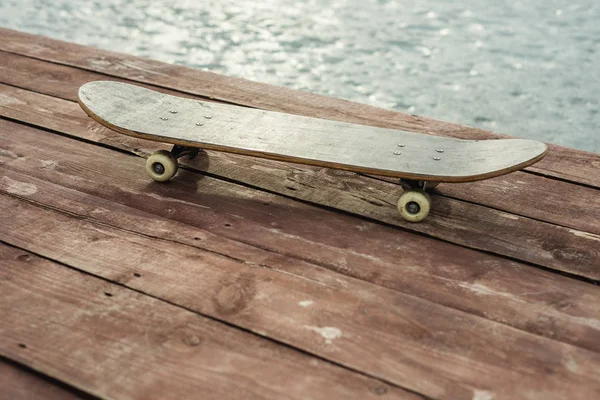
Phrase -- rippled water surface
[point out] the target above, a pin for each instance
(527, 68)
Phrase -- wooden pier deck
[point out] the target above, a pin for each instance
(246, 278)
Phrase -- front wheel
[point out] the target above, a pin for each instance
(161, 166)
(414, 205)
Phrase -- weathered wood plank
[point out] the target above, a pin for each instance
(116, 343)
(564, 163)
(429, 349)
(17, 383)
(570, 250)
(538, 198)
(55, 79)
(477, 283)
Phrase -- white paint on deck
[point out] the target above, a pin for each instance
(328, 333)
(483, 395)
(585, 235)
(306, 303)
(18, 188)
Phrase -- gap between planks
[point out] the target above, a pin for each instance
(464, 227)
(18, 381)
(306, 374)
(551, 192)
(401, 330)
(565, 297)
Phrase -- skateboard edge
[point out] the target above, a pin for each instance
(304, 161)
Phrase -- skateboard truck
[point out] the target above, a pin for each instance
(162, 165)
(179, 151)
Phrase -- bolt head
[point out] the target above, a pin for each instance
(413, 207)
(158, 168)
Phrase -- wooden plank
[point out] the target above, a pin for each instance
(18, 383)
(430, 349)
(55, 79)
(143, 113)
(566, 249)
(116, 343)
(564, 163)
(529, 195)
(490, 287)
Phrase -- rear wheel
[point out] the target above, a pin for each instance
(161, 166)
(414, 205)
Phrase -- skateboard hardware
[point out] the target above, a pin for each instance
(162, 165)
(179, 151)
(130, 110)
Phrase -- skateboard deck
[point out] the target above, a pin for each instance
(188, 123)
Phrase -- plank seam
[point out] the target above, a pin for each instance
(329, 208)
(48, 378)
(127, 80)
(218, 321)
(438, 193)
(243, 263)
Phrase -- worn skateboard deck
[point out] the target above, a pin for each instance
(140, 112)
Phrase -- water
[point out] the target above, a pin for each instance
(527, 68)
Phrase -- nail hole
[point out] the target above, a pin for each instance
(290, 188)
(197, 238)
(22, 345)
(107, 294)
(23, 257)
(380, 390)
(266, 204)
(136, 275)
(228, 225)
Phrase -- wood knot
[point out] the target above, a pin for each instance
(192, 340)
(235, 296)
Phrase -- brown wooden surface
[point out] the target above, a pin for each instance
(221, 284)
(20, 383)
(573, 249)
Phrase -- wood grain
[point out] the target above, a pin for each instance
(490, 287)
(117, 343)
(55, 79)
(564, 163)
(19, 383)
(564, 249)
(140, 112)
(429, 349)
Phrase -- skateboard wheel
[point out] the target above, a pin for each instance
(414, 205)
(161, 166)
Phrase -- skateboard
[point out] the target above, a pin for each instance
(419, 160)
